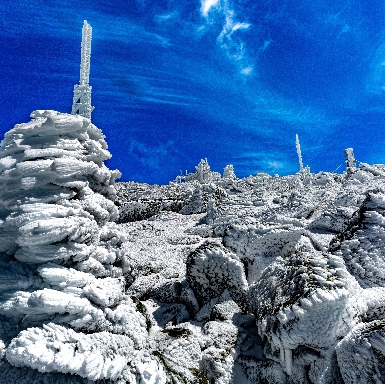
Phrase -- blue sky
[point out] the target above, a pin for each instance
(231, 81)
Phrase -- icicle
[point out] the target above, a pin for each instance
(260, 332)
(299, 152)
(282, 354)
(289, 361)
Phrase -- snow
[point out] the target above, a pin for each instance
(58, 349)
(215, 279)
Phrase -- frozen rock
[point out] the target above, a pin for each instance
(61, 253)
(260, 245)
(363, 250)
(179, 350)
(58, 349)
(361, 354)
(307, 300)
(211, 269)
(219, 353)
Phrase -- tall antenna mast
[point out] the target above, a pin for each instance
(82, 92)
(299, 152)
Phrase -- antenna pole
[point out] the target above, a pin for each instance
(297, 144)
(81, 104)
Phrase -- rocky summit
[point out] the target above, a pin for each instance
(209, 279)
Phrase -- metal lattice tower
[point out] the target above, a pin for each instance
(82, 92)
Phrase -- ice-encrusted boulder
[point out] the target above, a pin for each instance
(211, 269)
(361, 354)
(307, 302)
(259, 245)
(62, 284)
(364, 251)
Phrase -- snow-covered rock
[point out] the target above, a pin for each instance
(58, 349)
(211, 269)
(63, 290)
(307, 300)
(361, 354)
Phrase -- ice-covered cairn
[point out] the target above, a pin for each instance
(62, 300)
(228, 172)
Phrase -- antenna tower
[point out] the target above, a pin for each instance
(299, 152)
(81, 104)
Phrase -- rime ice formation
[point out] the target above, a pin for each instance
(211, 269)
(228, 172)
(350, 160)
(213, 280)
(81, 103)
(63, 304)
(295, 263)
(203, 174)
(298, 146)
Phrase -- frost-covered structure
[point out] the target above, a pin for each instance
(228, 172)
(299, 154)
(63, 305)
(203, 174)
(81, 103)
(350, 160)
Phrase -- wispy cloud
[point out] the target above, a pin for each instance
(207, 5)
(166, 17)
(230, 38)
(271, 161)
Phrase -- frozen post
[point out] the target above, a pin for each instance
(299, 152)
(350, 160)
(82, 92)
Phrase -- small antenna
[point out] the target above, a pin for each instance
(337, 168)
(297, 144)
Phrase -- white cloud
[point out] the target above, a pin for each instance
(166, 17)
(275, 165)
(230, 38)
(240, 26)
(247, 70)
(207, 5)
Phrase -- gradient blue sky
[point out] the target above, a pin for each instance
(230, 80)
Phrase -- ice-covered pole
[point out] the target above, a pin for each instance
(299, 152)
(350, 160)
(86, 54)
(82, 92)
